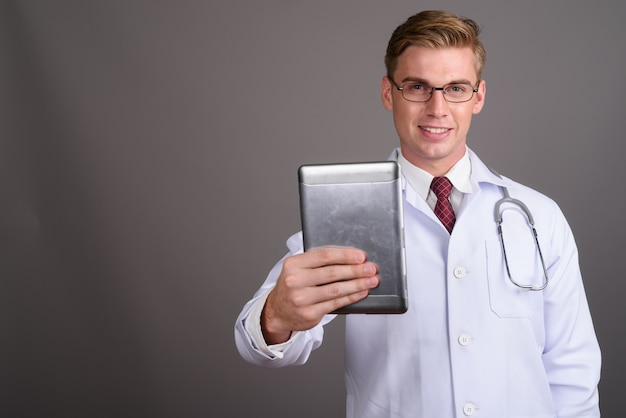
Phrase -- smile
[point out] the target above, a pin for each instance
(434, 130)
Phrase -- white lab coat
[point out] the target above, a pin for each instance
(471, 342)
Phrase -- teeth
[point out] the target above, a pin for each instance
(435, 130)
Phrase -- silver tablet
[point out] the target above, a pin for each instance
(359, 205)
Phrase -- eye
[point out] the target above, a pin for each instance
(414, 86)
(456, 88)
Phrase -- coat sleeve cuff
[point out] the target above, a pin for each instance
(252, 326)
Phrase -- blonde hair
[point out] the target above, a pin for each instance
(435, 29)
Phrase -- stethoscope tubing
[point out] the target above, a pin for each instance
(498, 211)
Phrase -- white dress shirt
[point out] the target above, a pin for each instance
(420, 180)
(471, 342)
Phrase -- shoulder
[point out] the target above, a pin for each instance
(485, 175)
(540, 204)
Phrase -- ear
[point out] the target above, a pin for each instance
(386, 91)
(480, 97)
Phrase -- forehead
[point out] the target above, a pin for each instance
(436, 65)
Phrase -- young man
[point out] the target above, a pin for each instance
(485, 334)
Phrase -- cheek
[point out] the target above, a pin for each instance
(464, 117)
(403, 120)
(404, 113)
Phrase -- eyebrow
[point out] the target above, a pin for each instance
(424, 81)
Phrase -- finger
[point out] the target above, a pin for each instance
(338, 298)
(337, 273)
(343, 292)
(325, 256)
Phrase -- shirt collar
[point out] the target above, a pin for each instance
(420, 180)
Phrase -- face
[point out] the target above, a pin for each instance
(433, 133)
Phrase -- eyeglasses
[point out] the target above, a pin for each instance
(415, 91)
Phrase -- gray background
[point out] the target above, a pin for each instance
(148, 163)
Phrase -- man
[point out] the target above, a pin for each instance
(485, 334)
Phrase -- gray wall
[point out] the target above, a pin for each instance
(148, 162)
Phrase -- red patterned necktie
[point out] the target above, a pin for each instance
(442, 187)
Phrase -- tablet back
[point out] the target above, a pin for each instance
(359, 205)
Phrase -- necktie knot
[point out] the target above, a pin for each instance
(442, 187)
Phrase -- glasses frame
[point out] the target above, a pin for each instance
(433, 89)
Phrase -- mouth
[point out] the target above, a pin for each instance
(434, 130)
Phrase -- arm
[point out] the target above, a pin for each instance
(571, 355)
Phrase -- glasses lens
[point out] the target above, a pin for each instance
(416, 92)
(458, 92)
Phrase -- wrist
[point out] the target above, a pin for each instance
(272, 333)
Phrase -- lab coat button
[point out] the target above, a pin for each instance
(469, 409)
(459, 272)
(465, 339)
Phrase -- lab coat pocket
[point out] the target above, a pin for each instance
(508, 300)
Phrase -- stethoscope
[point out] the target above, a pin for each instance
(531, 224)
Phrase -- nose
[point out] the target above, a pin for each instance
(437, 104)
